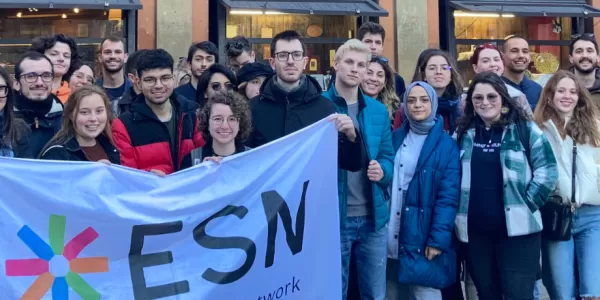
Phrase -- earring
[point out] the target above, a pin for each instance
(505, 110)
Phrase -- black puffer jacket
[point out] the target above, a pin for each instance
(71, 151)
(277, 113)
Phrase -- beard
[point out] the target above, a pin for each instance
(112, 70)
(585, 71)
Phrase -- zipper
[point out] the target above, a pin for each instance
(37, 122)
(287, 106)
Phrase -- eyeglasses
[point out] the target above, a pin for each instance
(151, 81)
(218, 120)
(284, 55)
(216, 86)
(380, 59)
(580, 35)
(3, 90)
(433, 68)
(32, 77)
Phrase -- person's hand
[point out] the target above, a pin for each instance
(104, 161)
(344, 124)
(215, 159)
(375, 172)
(431, 253)
(158, 172)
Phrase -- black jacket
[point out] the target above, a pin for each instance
(19, 145)
(71, 151)
(276, 113)
(44, 119)
(123, 104)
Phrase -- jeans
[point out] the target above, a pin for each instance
(370, 250)
(559, 258)
(397, 291)
(504, 267)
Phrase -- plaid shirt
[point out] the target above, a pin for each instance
(524, 192)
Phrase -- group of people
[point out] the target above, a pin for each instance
(438, 182)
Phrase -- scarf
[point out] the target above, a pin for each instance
(36, 108)
(448, 108)
(421, 127)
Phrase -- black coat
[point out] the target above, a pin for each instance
(276, 113)
(44, 120)
(71, 151)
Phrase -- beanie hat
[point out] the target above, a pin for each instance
(251, 71)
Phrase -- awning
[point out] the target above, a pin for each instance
(324, 7)
(532, 8)
(68, 4)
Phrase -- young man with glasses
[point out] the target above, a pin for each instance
(290, 101)
(35, 103)
(161, 127)
(584, 57)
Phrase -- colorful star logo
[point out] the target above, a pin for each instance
(57, 266)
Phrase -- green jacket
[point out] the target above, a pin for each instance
(525, 190)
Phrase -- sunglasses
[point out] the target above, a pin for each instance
(486, 44)
(216, 86)
(380, 59)
(580, 35)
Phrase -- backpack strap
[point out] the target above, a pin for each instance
(196, 156)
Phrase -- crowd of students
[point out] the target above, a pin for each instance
(438, 182)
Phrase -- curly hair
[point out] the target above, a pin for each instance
(239, 107)
(515, 112)
(41, 44)
(580, 127)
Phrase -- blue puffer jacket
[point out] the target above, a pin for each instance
(429, 211)
(375, 129)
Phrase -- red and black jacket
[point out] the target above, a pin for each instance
(144, 140)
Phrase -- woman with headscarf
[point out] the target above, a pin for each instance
(425, 192)
(438, 69)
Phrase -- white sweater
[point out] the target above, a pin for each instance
(587, 178)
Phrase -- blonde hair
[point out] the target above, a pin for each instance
(353, 45)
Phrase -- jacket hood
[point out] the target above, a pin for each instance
(309, 90)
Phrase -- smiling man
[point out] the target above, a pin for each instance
(114, 80)
(161, 127)
(516, 62)
(584, 57)
(35, 103)
(363, 208)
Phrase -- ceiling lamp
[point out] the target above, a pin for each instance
(76, 10)
(64, 16)
(19, 14)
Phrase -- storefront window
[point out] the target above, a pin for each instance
(88, 27)
(322, 35)
(309, 26)
(544, 60)
(548, 38)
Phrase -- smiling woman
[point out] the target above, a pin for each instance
(85, 134)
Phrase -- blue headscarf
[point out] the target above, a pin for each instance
(421, 127)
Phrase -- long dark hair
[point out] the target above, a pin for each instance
(455, 87)
(514, 114)
(205, 79)
(9, 128)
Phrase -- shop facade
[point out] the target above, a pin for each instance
(88, 22)
(324, 26)
(548, 25)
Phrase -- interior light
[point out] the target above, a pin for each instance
(255, 12)
(64, 16)
(481, 15)
(19, 14)
(76, 10)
